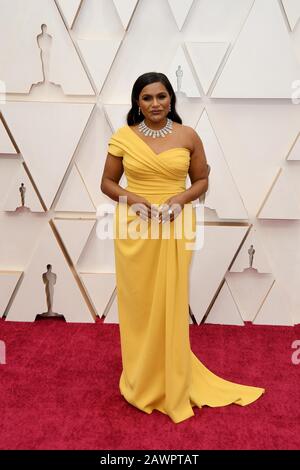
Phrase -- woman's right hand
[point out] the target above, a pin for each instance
(142, 207)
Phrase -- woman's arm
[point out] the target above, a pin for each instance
(198, 170)
(112, 173)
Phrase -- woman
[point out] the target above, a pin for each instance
(152, 263)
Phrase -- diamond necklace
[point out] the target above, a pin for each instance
(156, 132)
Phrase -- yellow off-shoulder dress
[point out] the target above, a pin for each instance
(160, 371)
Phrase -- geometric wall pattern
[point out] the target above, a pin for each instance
(292, 10)
(263, 48)
(68, 74)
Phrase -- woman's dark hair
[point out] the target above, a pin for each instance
(133, 116)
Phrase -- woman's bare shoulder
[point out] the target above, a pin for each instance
(187, 134)
(185, 130)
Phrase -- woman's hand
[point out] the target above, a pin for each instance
(176, 203)
(142, 207)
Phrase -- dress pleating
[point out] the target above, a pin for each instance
(160, 371)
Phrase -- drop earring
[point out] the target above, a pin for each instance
(139, 110)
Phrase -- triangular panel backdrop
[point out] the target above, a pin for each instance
(66, 75)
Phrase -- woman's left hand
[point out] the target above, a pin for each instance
(176, 203)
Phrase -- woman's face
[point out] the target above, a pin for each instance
(154, 97)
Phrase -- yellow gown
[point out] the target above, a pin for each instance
(160, 371)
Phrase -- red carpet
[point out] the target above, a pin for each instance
(59, 390)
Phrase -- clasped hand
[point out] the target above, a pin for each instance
(148, 211)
